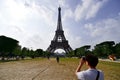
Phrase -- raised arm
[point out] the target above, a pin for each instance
(82, 61)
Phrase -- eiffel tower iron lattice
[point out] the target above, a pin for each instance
(59, 41)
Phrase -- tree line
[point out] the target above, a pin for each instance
(103, 50)
(10, 49)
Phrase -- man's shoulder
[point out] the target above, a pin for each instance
(84, 71)
(81, 72)
(80, 75)
(89, 74)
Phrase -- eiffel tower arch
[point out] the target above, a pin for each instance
(59, 41)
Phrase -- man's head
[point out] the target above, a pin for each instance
(92, 60)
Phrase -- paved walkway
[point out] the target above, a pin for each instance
(118, 60)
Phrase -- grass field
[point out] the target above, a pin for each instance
(111, 69)
(44, 69)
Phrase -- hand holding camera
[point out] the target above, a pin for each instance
(83, 58)
(82, 61)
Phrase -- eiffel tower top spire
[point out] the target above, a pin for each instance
(59, 23)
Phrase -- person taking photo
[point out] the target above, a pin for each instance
(91, 73)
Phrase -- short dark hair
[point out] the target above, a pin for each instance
(92, 60)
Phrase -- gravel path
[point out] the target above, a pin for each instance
(117, 61)
(36, 70)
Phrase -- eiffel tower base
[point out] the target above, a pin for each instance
(59, 45)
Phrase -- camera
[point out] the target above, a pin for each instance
(83, 57)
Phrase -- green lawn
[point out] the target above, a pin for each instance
(111, 69)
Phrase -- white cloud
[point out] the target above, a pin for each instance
(119, 13)
(34, 41)
(74, 41)
(81, 9)
(67, 14)
(62, 3)
(107, 29)
(26, 20)
(88, 9)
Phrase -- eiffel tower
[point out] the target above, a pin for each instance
(59, 41)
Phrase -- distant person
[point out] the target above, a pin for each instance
(48, 57)
(57, 59)
(91, 73)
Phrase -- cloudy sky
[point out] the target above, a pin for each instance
(85, 22)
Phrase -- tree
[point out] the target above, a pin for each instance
(71, 54)
(32, 54)
(79, 52)
(39, 53)
(117, 49)
(104, 49)
(7, 45)
(83, 50)
(24, 52)
(17, 52)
